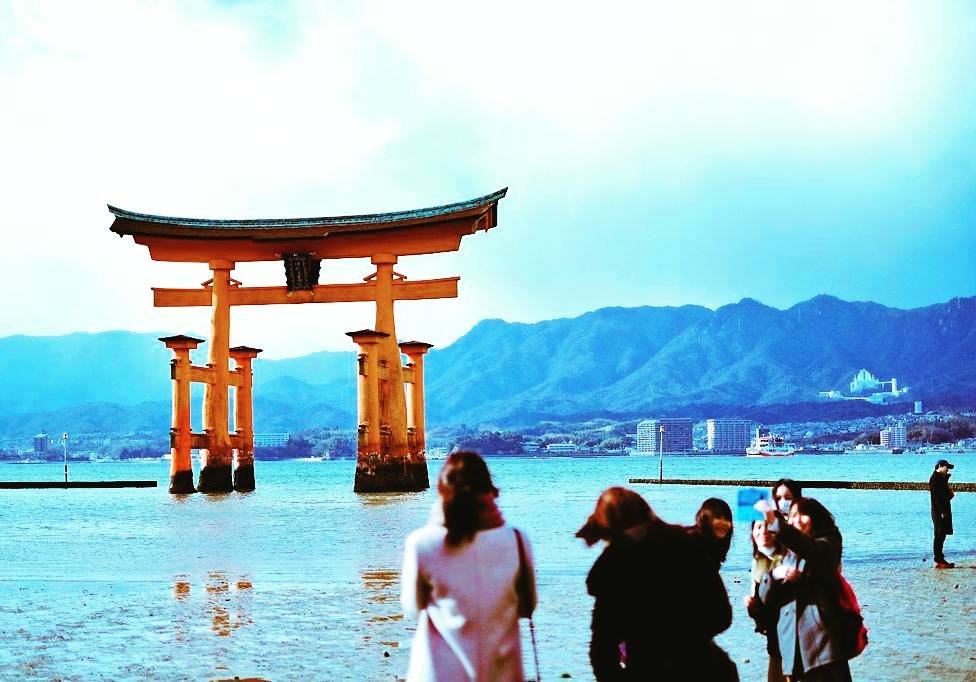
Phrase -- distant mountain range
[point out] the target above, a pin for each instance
(613, 362)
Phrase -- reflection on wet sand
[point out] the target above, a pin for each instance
(181, 589)
(381, 587)
(228, 603)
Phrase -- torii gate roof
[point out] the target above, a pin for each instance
(425, 230)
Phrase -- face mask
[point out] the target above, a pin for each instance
(768, 551)
(784, 505)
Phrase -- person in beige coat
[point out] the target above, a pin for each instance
(466, 581)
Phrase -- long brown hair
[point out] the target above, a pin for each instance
(821, 520)
(711, 509)
(617, 510)
(463, 481)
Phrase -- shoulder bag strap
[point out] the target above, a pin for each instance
(524, 591)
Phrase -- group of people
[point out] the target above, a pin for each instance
(659, 600)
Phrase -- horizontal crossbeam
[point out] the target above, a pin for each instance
(206, 375)
(201, 441)
(403, 290)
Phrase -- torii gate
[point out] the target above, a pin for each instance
(391, 441)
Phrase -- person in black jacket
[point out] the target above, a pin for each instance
(658, 600)
(941, 510)
(804, 588)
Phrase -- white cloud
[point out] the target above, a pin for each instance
(308, 108)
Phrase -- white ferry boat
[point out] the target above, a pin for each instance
(767, 444)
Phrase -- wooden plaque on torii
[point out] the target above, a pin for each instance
(391, 437)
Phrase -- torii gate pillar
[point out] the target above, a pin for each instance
(385, 460)
(416, 420)
(244, 416)
(215, 475)
(181, 466)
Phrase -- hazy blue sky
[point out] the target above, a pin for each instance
(656, 153)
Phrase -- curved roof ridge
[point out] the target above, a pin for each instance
(364, 219)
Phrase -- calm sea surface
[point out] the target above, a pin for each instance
(299, 580)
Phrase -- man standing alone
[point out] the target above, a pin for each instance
(941, 510)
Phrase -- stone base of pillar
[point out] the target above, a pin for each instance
(391, 477)
(181, 483)
(244, 478)
(216, 478)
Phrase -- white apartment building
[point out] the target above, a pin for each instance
(729, 435)
(894, 436)
(562, 448)
(647, 437)
(270, 440)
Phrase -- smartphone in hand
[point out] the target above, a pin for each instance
(747, 501)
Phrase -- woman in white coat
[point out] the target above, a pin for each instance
(467, 577)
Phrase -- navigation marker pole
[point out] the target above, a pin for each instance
(660, 439)
(64, 449)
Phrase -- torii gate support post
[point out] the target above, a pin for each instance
(416, 421)
(368, 445)
(181, 466)
(399, 469)
(244, 416)
(216, 475)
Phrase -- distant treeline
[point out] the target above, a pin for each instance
(813, 411)
(948, 430)
(311, 443)
(144, 452)
(510, 443)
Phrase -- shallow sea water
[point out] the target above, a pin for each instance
(299, 580)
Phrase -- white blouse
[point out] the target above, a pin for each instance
(466, 600)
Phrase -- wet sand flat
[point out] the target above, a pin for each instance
(922, 627)
(921, 623)
(299, 580)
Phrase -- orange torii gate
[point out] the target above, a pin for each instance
(391, 437)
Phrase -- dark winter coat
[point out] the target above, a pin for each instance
(765, 616)
(658, 603)
(808, 607)
(941, 505)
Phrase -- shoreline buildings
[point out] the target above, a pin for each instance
(270, 440)
(894, 436)
(728, 436)
(676, 440)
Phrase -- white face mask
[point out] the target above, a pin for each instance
(785, 504)
(768, 551)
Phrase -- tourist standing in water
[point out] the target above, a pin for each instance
(804, 588)
(658, 600)
(461, 578)
(941, 510)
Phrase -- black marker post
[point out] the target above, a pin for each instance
(64, 449)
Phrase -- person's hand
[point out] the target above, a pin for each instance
(779, 573)
(766, 508)
(748, 600)
(792, 575)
